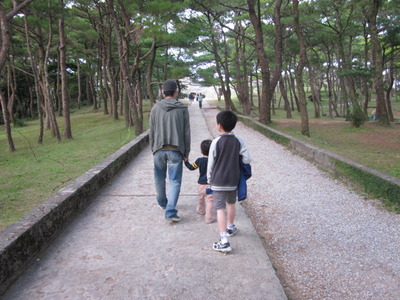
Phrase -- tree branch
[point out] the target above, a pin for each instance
(17, 8)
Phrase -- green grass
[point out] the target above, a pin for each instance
(35, 172)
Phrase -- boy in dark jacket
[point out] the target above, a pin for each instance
(223, 174)
(205, 201)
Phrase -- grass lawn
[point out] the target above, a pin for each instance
(35, 172)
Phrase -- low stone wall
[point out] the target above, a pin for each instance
(22, 241)
(378, 184)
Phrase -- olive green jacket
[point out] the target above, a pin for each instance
(169, 125)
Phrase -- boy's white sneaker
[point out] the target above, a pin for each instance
(220, 247)
(231, 231)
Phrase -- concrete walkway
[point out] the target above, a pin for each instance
(121, 247)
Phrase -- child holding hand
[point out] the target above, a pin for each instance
(205, 202)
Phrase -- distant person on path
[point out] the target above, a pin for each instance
(200, 99)
(191, 98)
(205, 202)
(373, 115)
(170, 144)
(223, 173)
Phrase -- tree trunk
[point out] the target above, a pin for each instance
(218, 92)
(365, 81)
(104, 82)
(277, 75)
(329, 92)
(226, 68)
(45, 85)
(242, 85)
(64, 83)
(114, 90)
(57, 94)
(287, 78)
(314, 92)
(285, 98)
(110, 83)
(390, 82)
(299, 71)
(149, 76)
(381, 109)
(41, 126)
(12, 89)
(78, 77)
(7, 124)
(89, 100)
(121, 95)
(266, 94)
(139, 98)
(31, 100)
(4, 48)
(293, 88)
(91, 92)
(302, 102)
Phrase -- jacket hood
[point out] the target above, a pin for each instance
(168, 104)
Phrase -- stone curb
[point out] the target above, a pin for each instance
(379, 184)
(22, 241)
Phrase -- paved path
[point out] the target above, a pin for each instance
(121, 247)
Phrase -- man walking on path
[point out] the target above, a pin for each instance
(170, 145)
(200, 99)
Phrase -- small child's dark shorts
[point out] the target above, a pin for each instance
(221, 198)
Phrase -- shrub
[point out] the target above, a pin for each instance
(19, 122)
(357, 117)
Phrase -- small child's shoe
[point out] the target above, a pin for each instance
(231, 231)
(220, 247)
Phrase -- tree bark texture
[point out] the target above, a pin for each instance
(285, 98)
(242, 82)
(390, 83)
(11, 146)
(381, 109)
(299, 71)
(64, 82)
(149, 76)
(266, 99)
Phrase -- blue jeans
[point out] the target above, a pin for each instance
(172, 161)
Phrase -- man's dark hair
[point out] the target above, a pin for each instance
(205, 147)
(169, 93)
(227, 119)
(169, 87)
